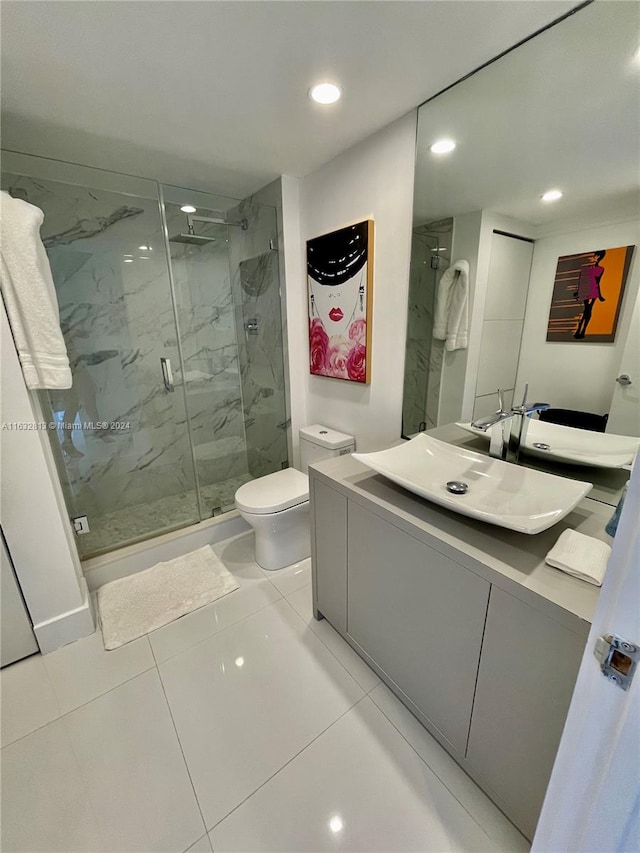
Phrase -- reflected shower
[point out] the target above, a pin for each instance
(195, 239)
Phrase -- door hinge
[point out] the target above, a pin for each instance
(80, 524)
(618, 659)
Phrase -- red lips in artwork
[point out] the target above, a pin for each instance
(336, 315)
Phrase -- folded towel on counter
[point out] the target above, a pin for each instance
(580, 556)
(451, 320)
(30, 296)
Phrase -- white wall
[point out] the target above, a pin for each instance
(480, 259)
(34, 518)
(374, 179)
(505, 304)
(295, 307)
(573, 375)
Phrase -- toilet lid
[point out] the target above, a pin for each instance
(274, 492)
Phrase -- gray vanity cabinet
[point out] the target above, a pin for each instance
(528, 670)
(329, 547)
(420, 616)
(467, 624)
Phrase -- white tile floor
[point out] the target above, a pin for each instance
(244, 726)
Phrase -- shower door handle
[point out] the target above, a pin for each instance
(167, 375)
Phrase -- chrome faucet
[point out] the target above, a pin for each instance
(508, 428)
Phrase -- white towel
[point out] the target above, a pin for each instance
(30, 296)
(451, 322)
(580, 556)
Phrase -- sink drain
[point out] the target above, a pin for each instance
(457, 487)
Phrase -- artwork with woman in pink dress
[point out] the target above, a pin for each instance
(587, 295)
(589, 291)
(339, 278)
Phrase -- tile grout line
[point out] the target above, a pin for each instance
(156, 664)
(293, 758)
(184, 759)
(197, 841)
(215, 633)
(82, 705)
(366, 692)
(440, 780)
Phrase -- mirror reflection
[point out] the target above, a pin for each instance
(528, 171)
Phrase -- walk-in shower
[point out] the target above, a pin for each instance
(173, 325)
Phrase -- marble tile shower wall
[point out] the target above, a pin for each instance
(256, 290)
(419, 333)
(118, 321)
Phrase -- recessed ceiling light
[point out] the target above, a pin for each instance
(325, 93)
(188, 208)
(143, 248)
(128, 260)
(336, 824)
(552, 195)
(443, 146)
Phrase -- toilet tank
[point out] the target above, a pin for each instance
(318, 442)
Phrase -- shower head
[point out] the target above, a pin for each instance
(199, 239)
(193, 239)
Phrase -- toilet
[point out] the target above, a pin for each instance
(277, 506)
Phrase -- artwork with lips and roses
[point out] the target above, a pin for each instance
(340, 281)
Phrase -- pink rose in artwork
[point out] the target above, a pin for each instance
(318, 346)
(337, 355)
(356, 363)
(358, 331)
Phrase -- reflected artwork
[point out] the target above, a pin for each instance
(587, 295)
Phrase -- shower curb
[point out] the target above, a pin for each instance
(142, 555)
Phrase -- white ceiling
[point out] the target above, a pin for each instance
(561, 111)
(213, 94)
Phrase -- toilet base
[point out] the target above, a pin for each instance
(282, 538)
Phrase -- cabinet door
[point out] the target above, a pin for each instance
(528, 669)
(420, 616)
(329, 553)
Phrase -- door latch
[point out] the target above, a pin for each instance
(624, 379)
(618, 659)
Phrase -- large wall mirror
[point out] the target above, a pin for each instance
(558, 113)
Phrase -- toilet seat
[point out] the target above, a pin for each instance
(273, 493)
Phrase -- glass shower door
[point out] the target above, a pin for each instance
(121, 443)
(430, 256)
(225, 274)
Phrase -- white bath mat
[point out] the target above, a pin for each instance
(133, 606)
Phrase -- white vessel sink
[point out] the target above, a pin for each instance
(497, 492)
(575, 446)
